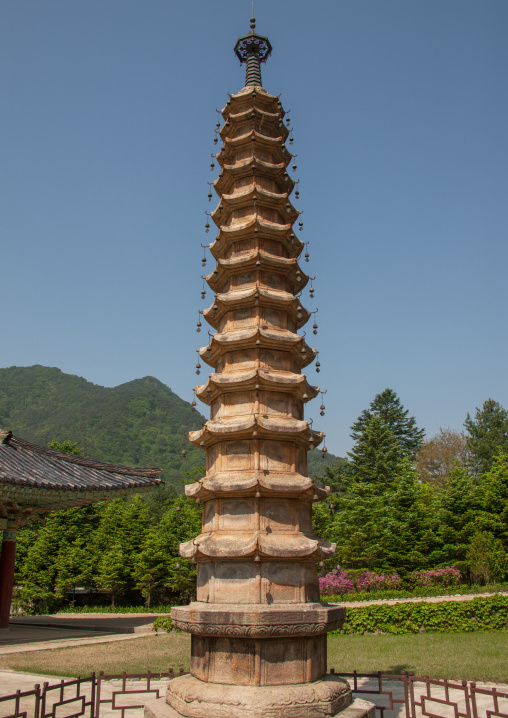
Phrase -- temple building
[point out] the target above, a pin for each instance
(258, 628)
(35, 480)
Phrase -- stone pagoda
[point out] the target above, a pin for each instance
(258, 628)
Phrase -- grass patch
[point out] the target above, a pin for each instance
(473, 656)
(138, 655)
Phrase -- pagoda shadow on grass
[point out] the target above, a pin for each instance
(258, 628)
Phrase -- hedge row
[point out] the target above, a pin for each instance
(480, 614)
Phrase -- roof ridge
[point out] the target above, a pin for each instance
(147, 472)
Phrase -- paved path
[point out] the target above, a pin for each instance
(428, 599)
(10, 681)
(40, 633)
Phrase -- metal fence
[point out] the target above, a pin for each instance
(404, 696)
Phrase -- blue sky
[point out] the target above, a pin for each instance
(399, 110)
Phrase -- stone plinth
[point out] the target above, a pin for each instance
(188, 696)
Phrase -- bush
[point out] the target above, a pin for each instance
(163, 623)
(479, 614)
(448, 576)
(347, 582)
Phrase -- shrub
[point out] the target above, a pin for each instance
(480, 614)
(163, 623)
(336, 583)
(448, 576)
(370, 581)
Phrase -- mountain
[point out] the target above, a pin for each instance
(140, 423)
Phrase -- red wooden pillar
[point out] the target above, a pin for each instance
(7, 559)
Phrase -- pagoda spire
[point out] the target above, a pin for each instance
(253, 49)
(258, 628)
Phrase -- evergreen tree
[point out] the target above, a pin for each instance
(375, 455)
(456, 517)
(407, 532)
(388, 408)
(494, 498)
(487, 558)
(356, 527)
(488, 434)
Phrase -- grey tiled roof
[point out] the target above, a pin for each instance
(30, 466)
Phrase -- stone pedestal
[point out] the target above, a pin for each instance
(187, 696)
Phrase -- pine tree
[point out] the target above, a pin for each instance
(388, 408)
(375, 455)
(456, 517)
(488, 433)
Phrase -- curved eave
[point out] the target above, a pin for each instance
(247, 544)
(256, 426)
(240, 123)
(223, 214)
(253, 140)
(227, 484)
(257, 260)
(253, 166)
(217, 384)
(240, 101)
(247, 338)
(40, 499)
(251, 227)
(252, 297)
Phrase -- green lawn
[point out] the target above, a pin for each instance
(473, 656)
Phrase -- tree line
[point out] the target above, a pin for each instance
(399, 502)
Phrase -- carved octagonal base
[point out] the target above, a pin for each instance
(187, 696)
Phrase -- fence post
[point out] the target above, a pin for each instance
(92, 697)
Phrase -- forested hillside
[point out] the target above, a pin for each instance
(141, 423)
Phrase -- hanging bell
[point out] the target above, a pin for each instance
(291, 140)
(288, 121)
(209, 196)
(193, 403)
(203, 261)
(324, 452)
(198, 367)
(218, 125)
(314, 328)
(215, 307)
(198, 327)
(318, 367)
(311, 293)
(207, 227)
(184, 454)
(209, 349)
(212, 166)
(300, 225)
(288, 207)
(294, 167)
(215, 140)
(306, 255)
(322, 408)
(297, 194)
(203, 294)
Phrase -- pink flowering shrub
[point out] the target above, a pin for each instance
(335, 583)
(341, 583)
(448, 576)
(370, 581)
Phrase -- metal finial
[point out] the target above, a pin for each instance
(253, 49)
